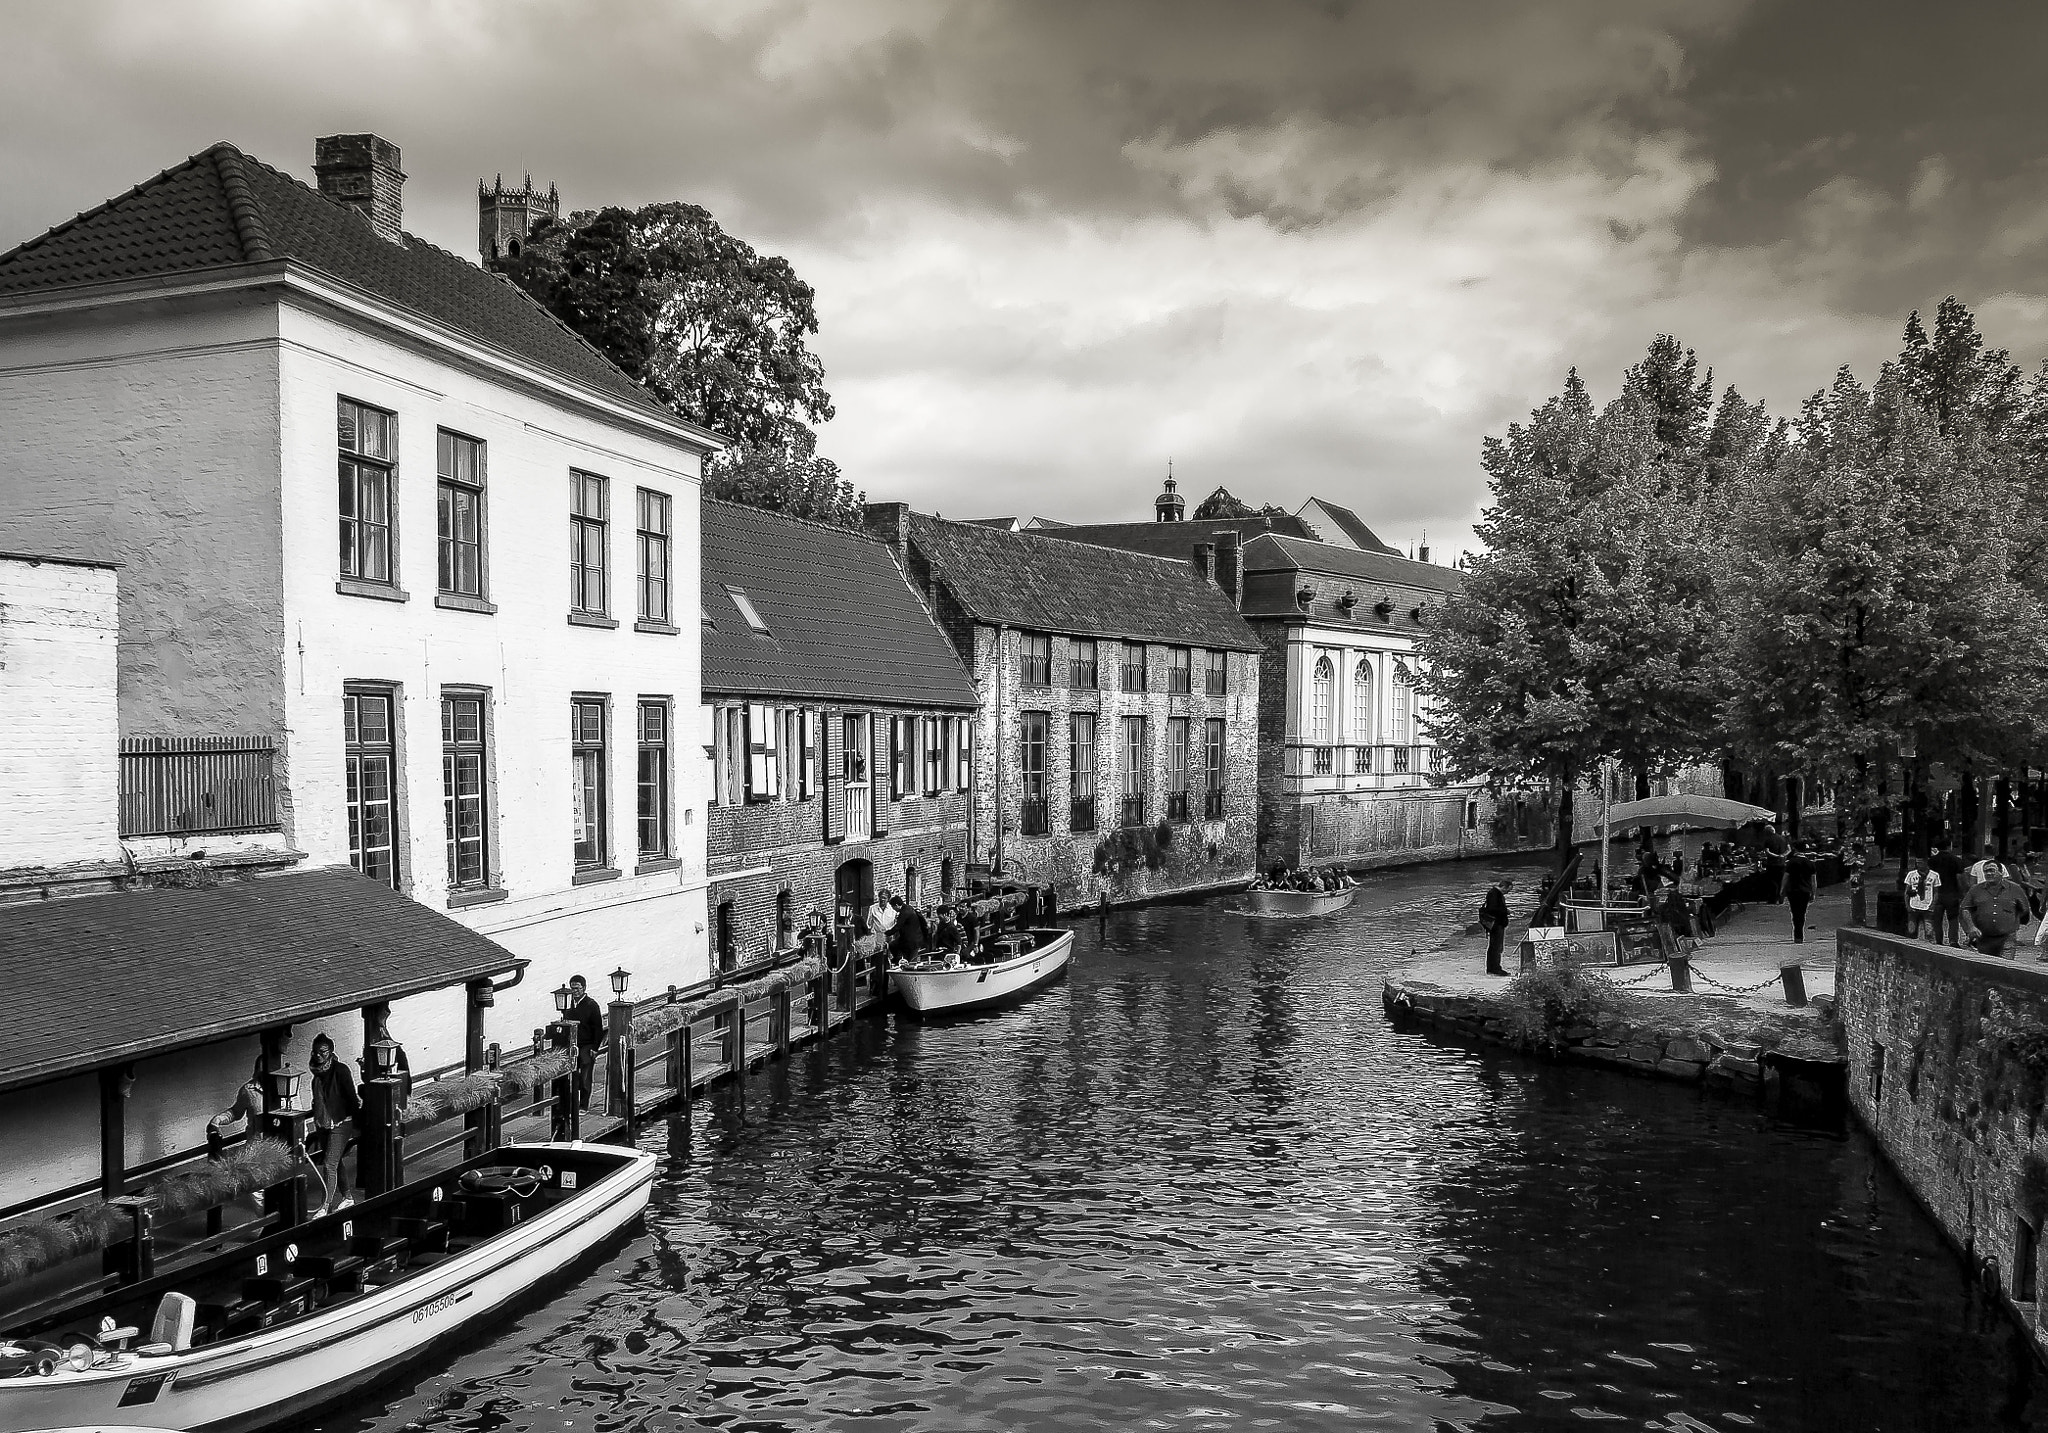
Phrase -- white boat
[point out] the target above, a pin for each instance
(1023, 961)
(258, 1335)
(1272, 902)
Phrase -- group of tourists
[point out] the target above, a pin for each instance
(953, 934)
(1985, 902)
(1283, 878)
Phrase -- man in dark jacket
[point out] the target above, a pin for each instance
(588, 1017)
(912, 933)
(1494, 916)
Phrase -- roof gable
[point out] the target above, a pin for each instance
(1177, 540)
(1351, 530)
(1361, 571)
(842, 622)
(1051, 582)
(221, 208)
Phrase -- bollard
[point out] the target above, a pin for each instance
(619, 1096)
(1795, 982)
(134, 1259)
(1528, 949)
(1681, 974)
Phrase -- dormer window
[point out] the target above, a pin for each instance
(746, 610)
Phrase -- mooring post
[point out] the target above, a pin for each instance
(1681, 974)
(1795, 982)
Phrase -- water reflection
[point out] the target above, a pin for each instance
(1204, 1184)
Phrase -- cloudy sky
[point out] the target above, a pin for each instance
(1300, 248)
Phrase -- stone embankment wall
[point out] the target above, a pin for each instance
(1948, 1066)
(1696, 1042)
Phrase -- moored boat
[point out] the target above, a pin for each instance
(257, 1335)
(1274, 902)
(1023, 961)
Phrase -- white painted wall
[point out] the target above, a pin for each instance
(59, 739)
(527, 654)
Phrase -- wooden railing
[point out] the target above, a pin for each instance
(185, 785)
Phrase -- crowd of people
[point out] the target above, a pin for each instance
(1284, 878)
(1984, 903)
(952, 934)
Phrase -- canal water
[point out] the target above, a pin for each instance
(1204, 1184)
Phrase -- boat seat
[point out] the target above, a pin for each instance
(376, 1247)
(286, 1295)
(232, 1316)
(342, 1273)
(171, 1331)
(425, 1236)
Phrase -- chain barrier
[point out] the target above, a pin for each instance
(1644, 979)
(1735, 989)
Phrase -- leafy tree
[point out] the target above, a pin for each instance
(792, 480)
(715, 330)
(1222, 503)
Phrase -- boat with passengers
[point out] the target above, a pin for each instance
(259, 1334)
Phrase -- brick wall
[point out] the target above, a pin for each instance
(1948, 1066)
(59, 746)
(1155, 859)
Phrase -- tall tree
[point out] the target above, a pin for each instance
(715, 330)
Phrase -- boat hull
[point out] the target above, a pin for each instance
(273, 1378)
(983, 987)
(1298, 903)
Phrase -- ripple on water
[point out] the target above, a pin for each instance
(1205, 1185)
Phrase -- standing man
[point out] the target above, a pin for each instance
(588, 1017)
(881, 918)
(1993, 912)
(1923, 887)
(1948, 901)
(1493, 915)
(1797, 887)
(913, 932)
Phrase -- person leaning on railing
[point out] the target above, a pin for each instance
(1993, 911)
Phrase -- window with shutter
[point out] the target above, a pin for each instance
(763, 771)
(807, 743)
(965, 769)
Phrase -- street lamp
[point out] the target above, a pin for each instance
(619, 979)
(382, 1057)
(282, 1085)
(562, 999)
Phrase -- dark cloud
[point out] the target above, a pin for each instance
(1301, 247)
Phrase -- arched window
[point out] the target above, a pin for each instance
(913, 887)
(728, 945)
(1361, 704)
(1322, 701)
(946, 878)
(785, 919)
(515, 248)
(1403, 714)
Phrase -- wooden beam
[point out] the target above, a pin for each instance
(114, 1129)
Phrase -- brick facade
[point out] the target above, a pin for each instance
(1160, 856)
(759, 850)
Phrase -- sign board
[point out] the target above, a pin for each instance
(1587, 947)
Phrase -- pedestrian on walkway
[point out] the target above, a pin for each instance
(912, 932)
(1493, 917)
(1948, 864)
(1993, 912)
(588, 1018)
(1975, 873)
(1923, 886)
(1797, 887)
(335, 1108)
(881, 918)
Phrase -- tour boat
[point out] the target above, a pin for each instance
(1273, 902)
(1024, 960)
(256, 1336)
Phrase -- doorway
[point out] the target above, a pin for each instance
(853, 888)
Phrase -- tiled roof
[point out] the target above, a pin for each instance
(1368, 570)
(1354, 527)
(118, 977)
(843, 623)
(1049, 582)
(220, 209)
(1176, 539)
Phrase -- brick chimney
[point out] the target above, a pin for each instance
(890, 522)
(361, 171)
(1230, 566)
(1205, 561)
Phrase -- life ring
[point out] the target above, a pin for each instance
(502, 1179)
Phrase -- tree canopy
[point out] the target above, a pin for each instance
(715, 330)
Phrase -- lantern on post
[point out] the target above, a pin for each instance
(562, 999)
(381, 1166)
(618, 1028)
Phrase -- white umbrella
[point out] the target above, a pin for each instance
(1688, 811)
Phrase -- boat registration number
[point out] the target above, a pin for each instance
(439, 1306)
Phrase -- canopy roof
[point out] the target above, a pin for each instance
(1687, 811)
(103, 980)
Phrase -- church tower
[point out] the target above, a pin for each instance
(504, 217)
(1169, 506)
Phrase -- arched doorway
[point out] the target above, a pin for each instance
(853, 888)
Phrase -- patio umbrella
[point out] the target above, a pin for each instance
(1688, 811)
